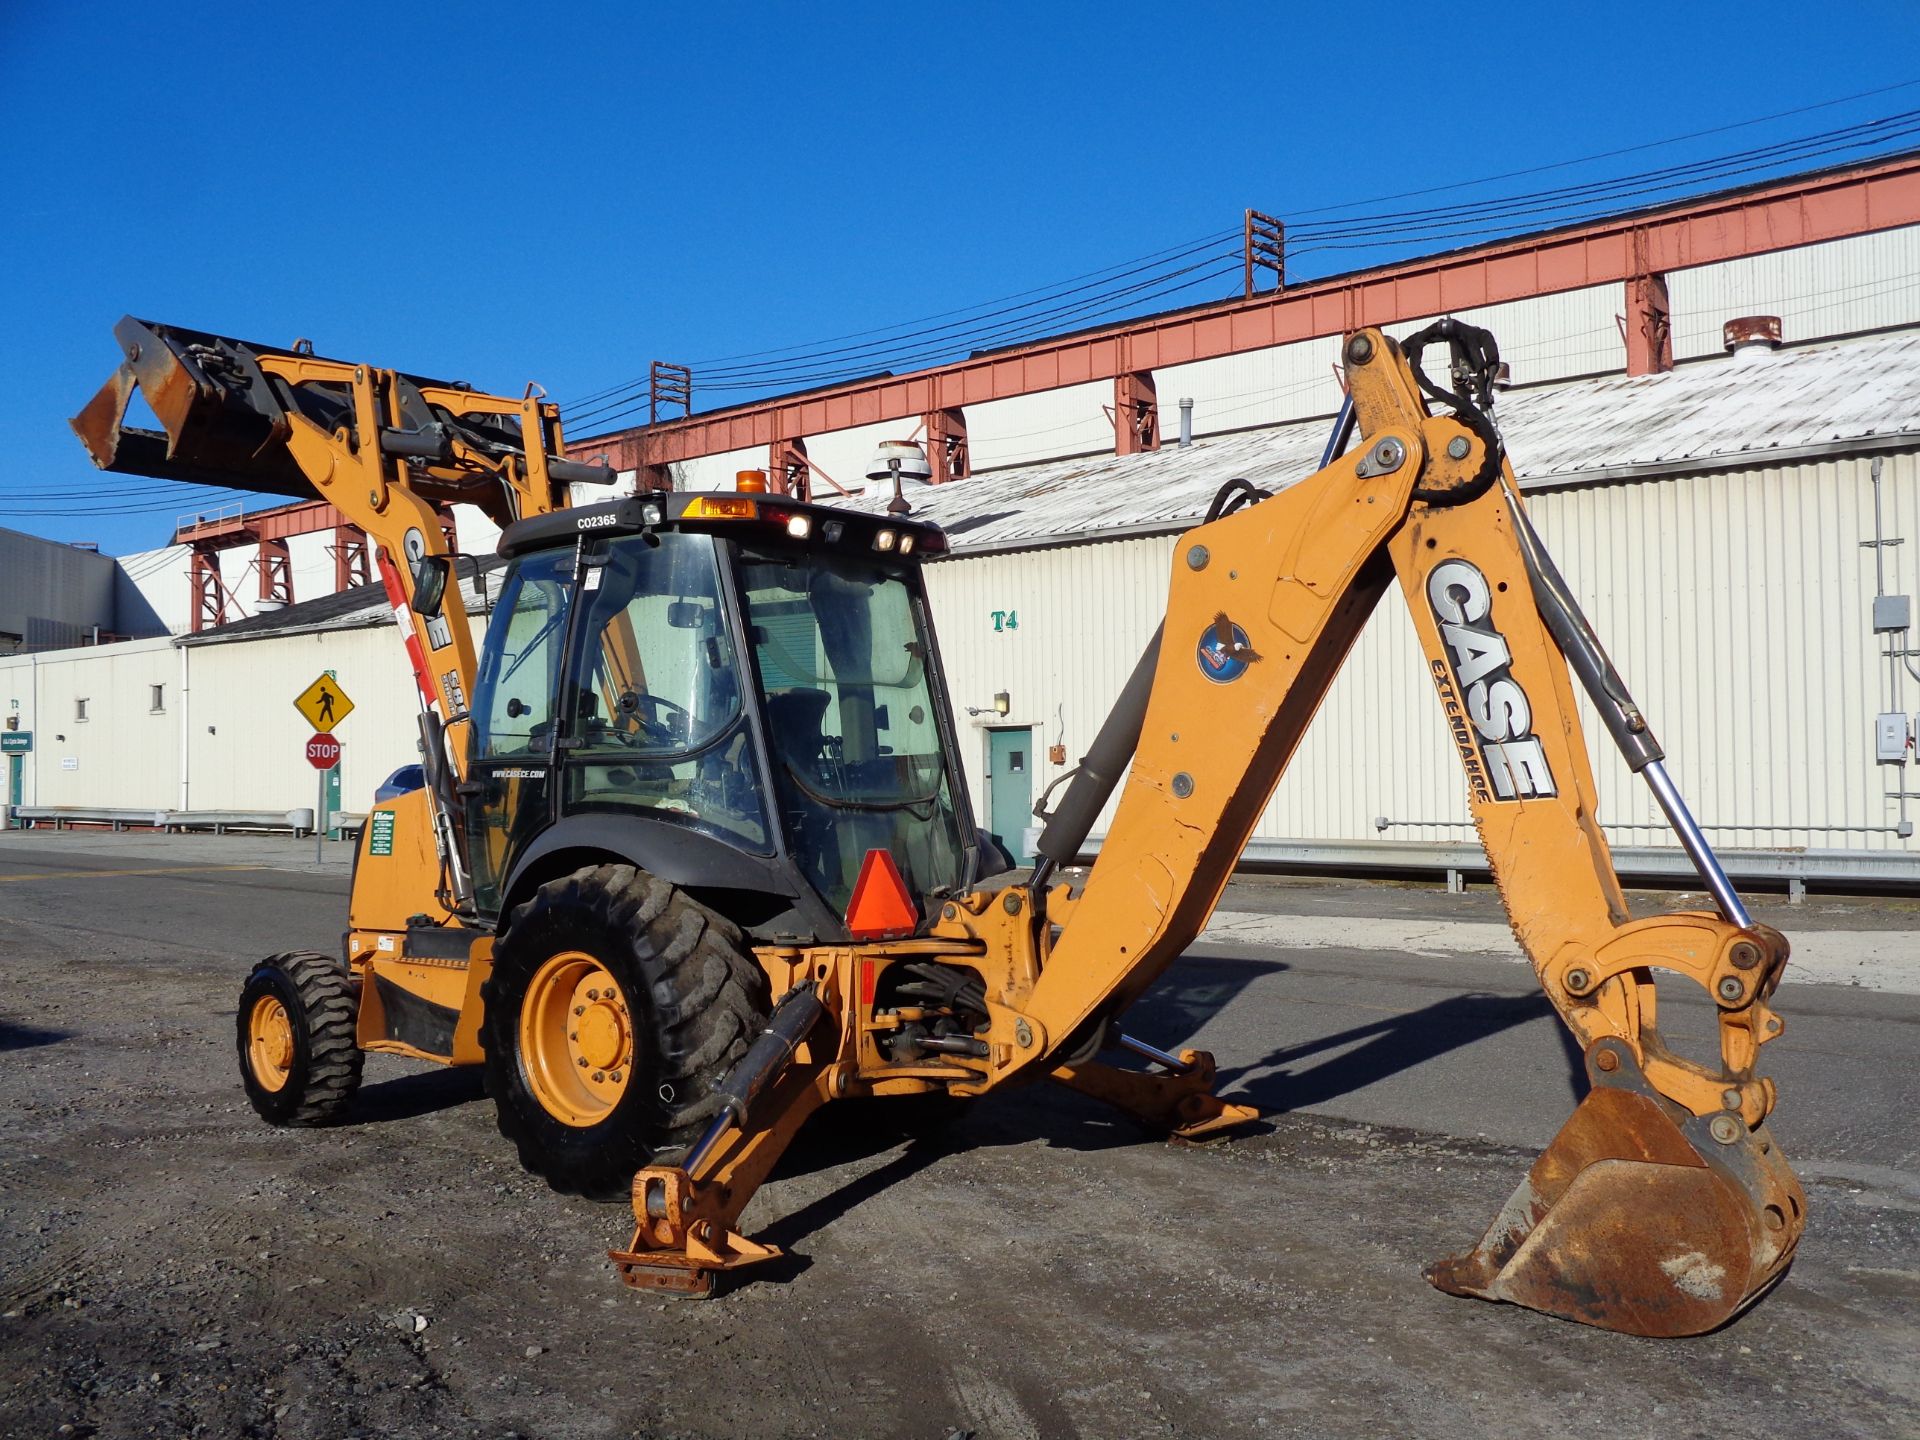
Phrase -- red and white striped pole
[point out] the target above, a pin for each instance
(403, 617)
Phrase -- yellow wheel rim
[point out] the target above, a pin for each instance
(270, 1043)
(576, 1039)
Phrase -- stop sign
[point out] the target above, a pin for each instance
(323, 751)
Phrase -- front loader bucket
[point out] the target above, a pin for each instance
(222, 422)
(1639, 1217)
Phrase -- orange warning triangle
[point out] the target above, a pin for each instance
(881, 907)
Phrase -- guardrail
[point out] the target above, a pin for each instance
(1789, 869)
(66, 817)
(300, 822)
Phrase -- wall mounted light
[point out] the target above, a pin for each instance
(1002, 705)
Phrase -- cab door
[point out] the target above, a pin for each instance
(508, 787)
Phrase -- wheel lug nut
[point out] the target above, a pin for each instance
(614, 1076)
(581, 1063)
(599, 1075)
(579, 1009)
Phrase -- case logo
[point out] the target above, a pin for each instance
(1223, 657)
(1488, 712)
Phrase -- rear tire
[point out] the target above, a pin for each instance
(654, 992)
(299, 1060)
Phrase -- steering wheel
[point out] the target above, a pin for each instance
(659, 721)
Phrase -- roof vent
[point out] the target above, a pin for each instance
(1752, 334)
(898, 465)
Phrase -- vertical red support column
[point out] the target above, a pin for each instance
(350, 567)
(448, 531)
(276, 572)
(209, 595)
(788, 470)
(1136, 413)
(1649, 326)
(947, 451)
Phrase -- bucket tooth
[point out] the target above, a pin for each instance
(1639, 1218)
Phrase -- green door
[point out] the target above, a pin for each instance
(1010, 789)
(14, 763)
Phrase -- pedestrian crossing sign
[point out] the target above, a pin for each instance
(324, 703)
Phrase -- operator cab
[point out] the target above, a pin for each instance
(739, 693)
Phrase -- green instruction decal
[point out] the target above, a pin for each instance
(381, 842)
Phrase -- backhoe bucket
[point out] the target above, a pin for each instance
(1639, 1217)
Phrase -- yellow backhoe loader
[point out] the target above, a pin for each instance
(694, 856)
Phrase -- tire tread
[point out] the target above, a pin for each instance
(706, 999)
(328, 1010)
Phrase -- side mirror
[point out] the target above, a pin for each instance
(685, 615)
(430, 585)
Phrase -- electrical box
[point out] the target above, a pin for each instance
(1890, 738)
(1892, 613)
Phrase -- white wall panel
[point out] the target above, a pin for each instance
(1082, 615)
(1549, 337)
(246, 742)
(1736, 606)
(845, 454)
(1073, 420)
(1837, 287)
(125, 747)
(163, 578)
(716, 472)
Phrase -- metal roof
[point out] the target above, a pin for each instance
(355, 609)
(1745, 409)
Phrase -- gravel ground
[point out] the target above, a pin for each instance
(170, 1266)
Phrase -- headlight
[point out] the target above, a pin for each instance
(885, 540)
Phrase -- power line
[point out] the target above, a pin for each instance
(952, 338)
(1608, 154)
(1042, 327)
(809, 346)
(1625, 186)
(885, 347)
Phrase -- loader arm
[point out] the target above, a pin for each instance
(1664, 1207)
(389, 451)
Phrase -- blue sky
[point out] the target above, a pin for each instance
(564, 193)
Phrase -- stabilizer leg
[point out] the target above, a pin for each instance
(1177, 1099)
(684, 1214)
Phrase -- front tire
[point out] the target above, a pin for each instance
(616, 1005)
(299, 1060)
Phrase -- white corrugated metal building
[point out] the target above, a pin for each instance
(1711, 520)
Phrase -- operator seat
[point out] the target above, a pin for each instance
(796, 722)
